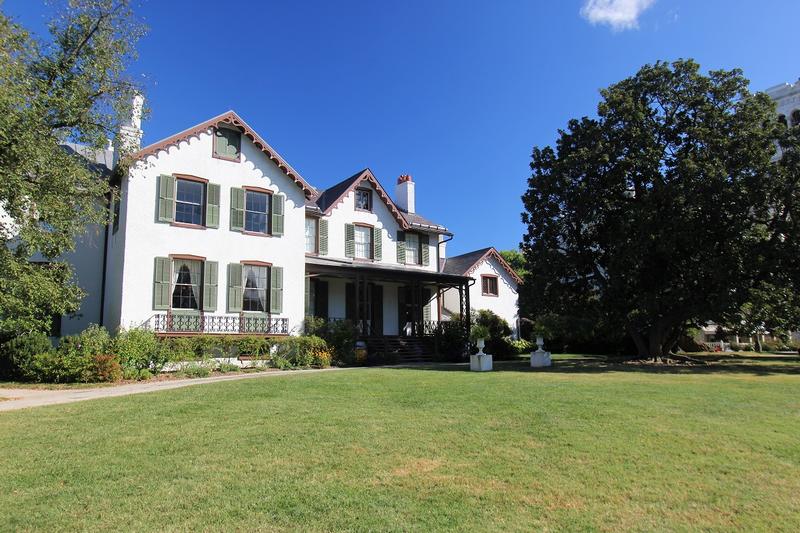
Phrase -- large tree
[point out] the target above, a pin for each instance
(665, 210)
(71, 86)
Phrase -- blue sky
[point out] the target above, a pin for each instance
(455, 93)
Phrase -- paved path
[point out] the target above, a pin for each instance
(23, 398)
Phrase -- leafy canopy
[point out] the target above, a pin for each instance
(71, 87)
(666, 209)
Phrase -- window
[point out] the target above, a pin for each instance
(363, 242)
(311, 235)
(255, 288)
(412, 249)
(489, 285)
(189, 201)
(796, 117)
(186, 284)
(363, 199)
(256, 212)
(782, 120)
(227, 143)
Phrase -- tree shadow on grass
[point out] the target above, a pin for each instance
(597, 364)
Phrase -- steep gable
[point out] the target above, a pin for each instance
(230, 119)
(465, 264)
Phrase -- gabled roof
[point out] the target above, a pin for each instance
(327, 200)
(230, 119)
(465, 264)
(333, 196)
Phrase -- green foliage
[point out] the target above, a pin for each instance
(17, 356)
(665, 210)
(71, 87)
(340, 337)
(195, 370)
(105, 368)
(516, 260)
(452, 343)
(521, 346)
(75, 359)
(478, 332)
(140, 349)
(225, 367)
(300, 352)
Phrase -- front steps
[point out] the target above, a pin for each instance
(402, 349)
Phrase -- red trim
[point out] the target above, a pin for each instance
(257, 189)
(497, 285)
(256, 234)
(367, 176)
(491, 252)
(187, 256)
(231, 119)
(256, 263)
(189, 177)
(188, 226)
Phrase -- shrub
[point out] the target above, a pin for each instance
(139, 349)
(225, 367)
(180, 349)
(253, 346)
(17, 355)
(105, 368)
(521, 346)
(478, 332)
(196, 370)
(340, 337)
(498, 327)
(74, 360)
(452, 344)
(144, 375)
(298, 352)
(321, 357)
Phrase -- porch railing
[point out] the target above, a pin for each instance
(232, 324)
(423, 328)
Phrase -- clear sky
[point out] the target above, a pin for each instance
(453, 92)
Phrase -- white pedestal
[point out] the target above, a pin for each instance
(540, 358)
(480, 362)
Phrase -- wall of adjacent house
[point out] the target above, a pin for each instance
(381, 218)
(145, 238)
(87, 262)
(505, 304)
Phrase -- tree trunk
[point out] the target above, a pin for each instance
(638, 340)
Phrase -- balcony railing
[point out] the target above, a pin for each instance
(231, 324)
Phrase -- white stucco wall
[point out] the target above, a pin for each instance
(145, 238)
(379, 217)
(505, 304)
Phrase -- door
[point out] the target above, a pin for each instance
(376, 316)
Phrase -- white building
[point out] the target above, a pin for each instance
(214, 232)
(787, 101)
(495, 285)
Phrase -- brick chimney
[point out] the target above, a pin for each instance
(404, 193)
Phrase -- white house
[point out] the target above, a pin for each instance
(214, 232)
(495, 285)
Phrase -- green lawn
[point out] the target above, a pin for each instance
(584, 446)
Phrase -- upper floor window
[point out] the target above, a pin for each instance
(363, 242)
(256, 212)
(254, 297)
(189, 201)
(227, 143)
(363, 199)
(489, 285)
(186, 284)
(311, 235)
(412, 249)
(782, 120)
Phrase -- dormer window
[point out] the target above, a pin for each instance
(363, 200)
(227, 144)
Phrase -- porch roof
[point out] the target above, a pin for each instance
(349, 269)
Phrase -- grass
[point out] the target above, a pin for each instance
(584, 446)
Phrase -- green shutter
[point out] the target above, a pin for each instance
(323, 236)
(424, 241)
(276, 290)
(166, 198)
(220, 143)
(277, 214)
(349, 240)
(162, 282)
(210, 275)
(234, 287)
(237, 209)
(212, 205)
(401, 247)
(377, 244)
(426, 309)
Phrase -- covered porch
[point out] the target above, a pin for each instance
(381, 300)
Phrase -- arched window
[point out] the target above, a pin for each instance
(782, 120)
(796, 117)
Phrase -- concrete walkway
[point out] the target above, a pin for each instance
(23, 398)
